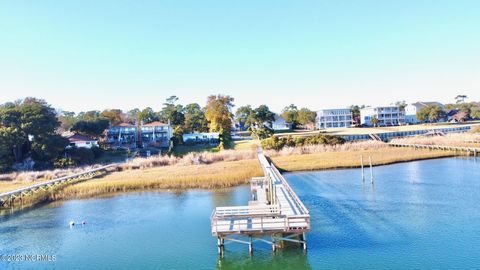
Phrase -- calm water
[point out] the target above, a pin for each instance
(418, 215)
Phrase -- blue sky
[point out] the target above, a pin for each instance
(81, 55)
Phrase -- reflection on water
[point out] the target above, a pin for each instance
(283, 259)
(417, 215)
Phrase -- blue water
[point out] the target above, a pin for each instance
(416, 215)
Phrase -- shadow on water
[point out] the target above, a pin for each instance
(13, 212)
(284, 259)
(346, 222)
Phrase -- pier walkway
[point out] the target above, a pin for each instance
(8, 198)
(275, 211)
(468, 150)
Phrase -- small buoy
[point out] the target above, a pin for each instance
(72, 223)
(84, 222)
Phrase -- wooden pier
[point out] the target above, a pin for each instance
(461, 149)
(275, 214)
(7, 199)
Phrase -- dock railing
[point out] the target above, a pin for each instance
(263, 216)
(468, 150)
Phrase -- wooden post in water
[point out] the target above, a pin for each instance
(371, 168)
(363, 169)
(304, 238)
(250, 246)
(220, 245)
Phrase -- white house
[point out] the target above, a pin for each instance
(279, 124)
(386, 115)
(80, 141)
(412, 109)
(207, 137)
(334, 118)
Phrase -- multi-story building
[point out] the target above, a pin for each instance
(123, 133)
(156, 133)
(152, 134)
(386, 116)
(411, 110)
(334, 118)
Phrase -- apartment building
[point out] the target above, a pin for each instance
(334, 118)
(386, 116)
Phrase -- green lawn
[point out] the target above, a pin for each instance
(110, 156)
(245, 144)
(181, 150)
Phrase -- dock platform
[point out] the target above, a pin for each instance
(274, 212)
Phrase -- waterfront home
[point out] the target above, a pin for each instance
(334, 118)
(201, 138)
(457, 116)
(123, 133)
(386, 116)
(279, 124)
(157, 134)
(81, 141)
(411, 110)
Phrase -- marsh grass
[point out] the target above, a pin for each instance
(204, 176)
(351, 158)
(13, 181)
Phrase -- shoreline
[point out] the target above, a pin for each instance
(220, 175)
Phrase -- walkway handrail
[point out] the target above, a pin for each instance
(442, 147)
(291, 192)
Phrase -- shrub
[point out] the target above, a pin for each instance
(63, 163)
(277, 143)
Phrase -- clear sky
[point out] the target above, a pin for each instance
(81, 55)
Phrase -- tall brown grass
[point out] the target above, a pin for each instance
(319, 148)
(351, 158)
(32, 176)
(188, 159)
(19, 179)
(179, 176)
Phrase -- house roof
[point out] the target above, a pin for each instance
(155, 124)
(460, 116)
(80, 138)
(124, 125)
(452, 112)
(421, 104)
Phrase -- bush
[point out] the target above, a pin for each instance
(63, 163)
(277, 143)
(81, 156)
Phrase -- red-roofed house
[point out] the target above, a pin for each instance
(459, 117)
(81, 141)
(157, 133)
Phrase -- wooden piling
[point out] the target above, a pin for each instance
(304, 239)
(250, 246)
(371, 168)
(363, 169)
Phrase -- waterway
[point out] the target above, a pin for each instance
(415, 215)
